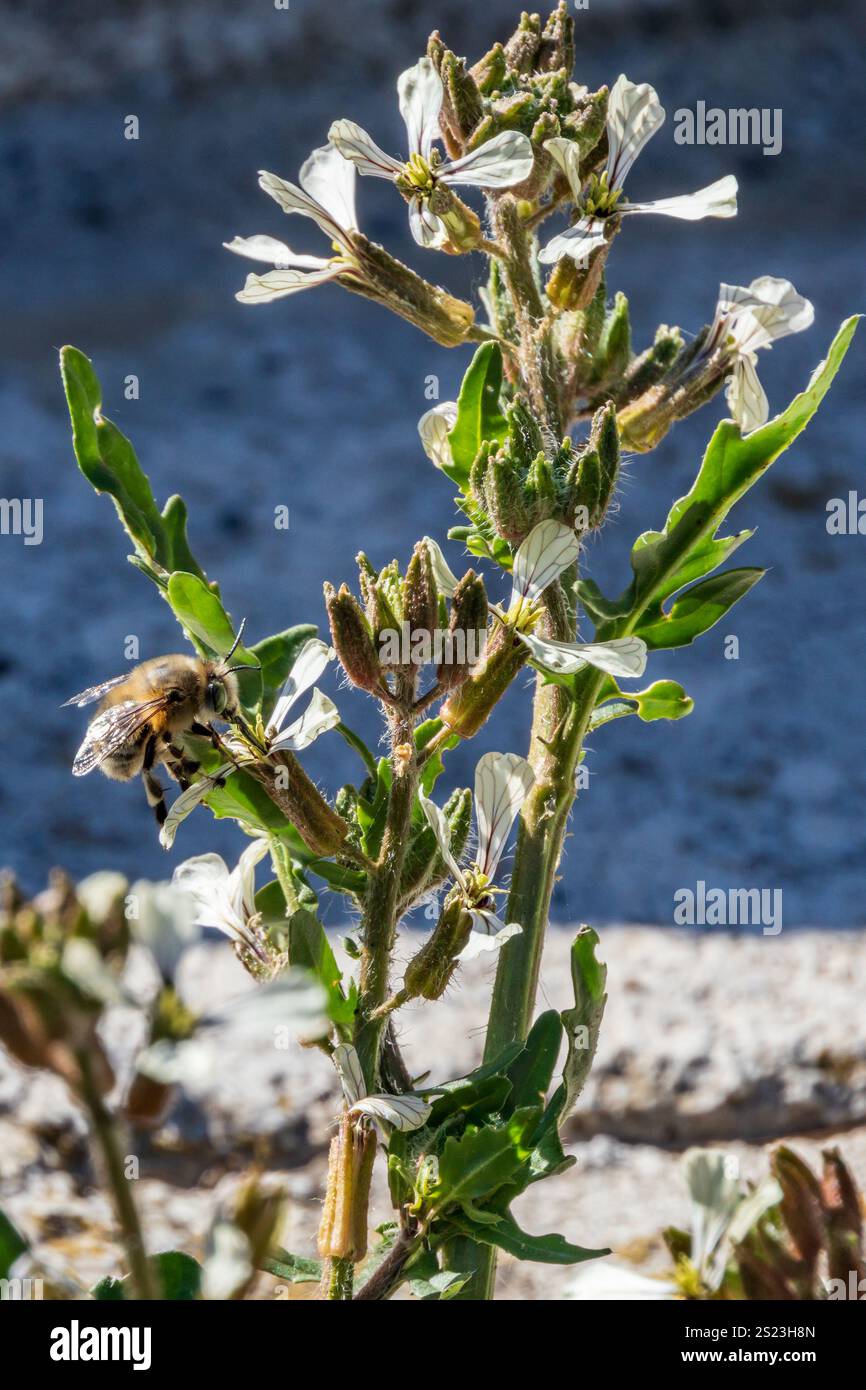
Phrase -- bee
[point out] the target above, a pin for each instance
(142, 715)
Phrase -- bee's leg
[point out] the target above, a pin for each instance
(152, 789)
(179, 766)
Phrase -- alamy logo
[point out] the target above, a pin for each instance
(740, 125)
(77, 1343)
(736, 907)
(22, 516)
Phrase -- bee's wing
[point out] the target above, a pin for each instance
(93, 692)
(111, 729)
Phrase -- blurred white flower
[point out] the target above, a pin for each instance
(634, 114)
(327, 195)
(165, 923)
(225, 899)
(746, 319)
(503, 161)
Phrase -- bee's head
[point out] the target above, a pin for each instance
(221, 693)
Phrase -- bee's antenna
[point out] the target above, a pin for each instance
(236, 643)
(247, 666)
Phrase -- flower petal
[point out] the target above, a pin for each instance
(348, 1064)
(623, 656)
(330, 180)
(421, 94)
(768, 309)
(242, 879)
(502, 783)
(273, 252)
(634, 114)
(277, 284)
(293, 199)
(187, 802)
(505, 160)
(424, 225)
(402, 1113)
(578, 241)
(306, 669)
(205, 878)
(718, 199)
(545, 554)
(566, 154)
(747, 400)
(442, 831)
(446, 580)
(355, 144)
(434, 428)
(481, 943)
(320, 715)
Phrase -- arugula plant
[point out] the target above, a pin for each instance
(530, 453)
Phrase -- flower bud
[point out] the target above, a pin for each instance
(463, 105)
(428, 973)
(353, 642)
(466, 709)
(522, 47)
(467, 631)
(614, 350)
(420, 594)
(387, 281)
(557, 42)
(490, 71)
(343, 1226)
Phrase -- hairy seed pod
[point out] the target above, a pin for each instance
(429, 971)
(352, 639)
(467, 709)
(343, 1225)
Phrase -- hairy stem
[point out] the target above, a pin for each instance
(339, 1280)
(105, 1135)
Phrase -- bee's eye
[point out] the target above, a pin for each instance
(216, 694)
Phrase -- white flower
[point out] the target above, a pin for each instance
(747, 319)
(446, 579)
(185, 804)
(634, 114)
(547, 552)
(501, 162)
(223, 899)
(164, 924)
(321, 713)
(434, 428)
(502, 783)
(327, 195)
(402, 1113)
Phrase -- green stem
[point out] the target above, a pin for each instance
(105, 1134)
(341, 1280)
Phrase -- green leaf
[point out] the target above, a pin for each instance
(474, 1167)
(530, 1072)
(479, 416)
(697, 610)
(309, 947)
(12, 1244)
(663, 561)
(179, 1277)
(475, 1100)
(434, 766)
(243, 799)
(294, 1269)
(372, 814)
(108, 462)
(661, 700)
(441, 1285)
(583, 1022)
(276, 656)
(507, 1235)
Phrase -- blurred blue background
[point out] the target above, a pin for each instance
(115, 246)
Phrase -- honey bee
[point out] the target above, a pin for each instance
(142, 714)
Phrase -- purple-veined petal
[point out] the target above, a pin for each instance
(578, 241)
(446, 580)
(545, 554)
(278, 284)
(293, 199)
(566, 155)
(634, 114)
(718, 199)
(399, 1112)
(306, 669)
(747, 400)
(184, 804)
(622, 656)
(348, 1064)
(330, 180)
(320, 715)
(273, 252)
(442, 830)
(424, 225)
(420, 94)
(355, 144)
(505, 160)
(434, 428)
(502, 783)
